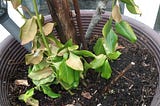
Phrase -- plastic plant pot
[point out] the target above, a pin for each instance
(11, 50)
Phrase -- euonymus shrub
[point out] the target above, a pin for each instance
(52, 62)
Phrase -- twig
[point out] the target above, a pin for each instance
(121, 74)
(96, 17)
(125, 77)
(79, 23)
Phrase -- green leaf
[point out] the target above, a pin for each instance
(123, 28)
(68, 43)
(98, 48)
(34, 58)
(64, 49)
(86, 65)
(40, 74)
(84, 53)
(98, 61)
(106, 70)
(72, 48)
(110, 42)
(16, 3)
(65, 85)
(28, 31)
(133, 9)
(74, 62)
(116, 13)
(55, 59)
(44, 80)
(107, 27)
(29, 93)
(114, 55)
(66, 74)
(48, 91)
(76, 79)
(129, 2)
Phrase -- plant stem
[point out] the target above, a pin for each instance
(79, 23)
(40, 27)
(96, 17)
(23, 16)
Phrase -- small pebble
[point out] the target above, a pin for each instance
(99, 104)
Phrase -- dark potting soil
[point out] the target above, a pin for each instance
(135, 88)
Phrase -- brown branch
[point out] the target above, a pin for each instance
(121, 74)
(125, 77)
(60, 13)
(58, 27)
(79, 23)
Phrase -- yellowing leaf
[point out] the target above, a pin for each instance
(62, 52)
(28, 31)
(34, 58)
(43, 81)
(29, 93)
(98, 61)
(116, 13)
(48, 28)
(74, 62)
(33, 102)
(40, 74)
(15, 3)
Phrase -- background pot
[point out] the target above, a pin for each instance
(12, 52)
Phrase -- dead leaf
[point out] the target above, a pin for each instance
(40, 74)
(86, 95)
(34, 58)
(28, 31)
(48, 28)
(16, 3)
(116, 13)
(21, 82)
(75, 62)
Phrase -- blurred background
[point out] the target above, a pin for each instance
(150, 12)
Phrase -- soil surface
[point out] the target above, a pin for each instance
(135, 88)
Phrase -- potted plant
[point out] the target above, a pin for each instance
(65, 64)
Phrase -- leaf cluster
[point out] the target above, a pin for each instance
(52, 62)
